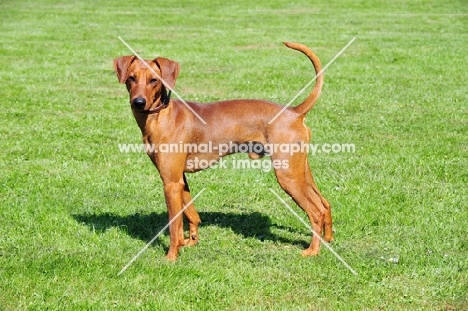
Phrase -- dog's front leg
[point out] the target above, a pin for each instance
(172, 176)
(174, 200)
(192, 216)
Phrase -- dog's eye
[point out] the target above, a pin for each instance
(153, 81)
(131, 79)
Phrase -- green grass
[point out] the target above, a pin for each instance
(74, 210)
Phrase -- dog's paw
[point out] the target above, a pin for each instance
(171, 256)
(192, 241)
(309, 252)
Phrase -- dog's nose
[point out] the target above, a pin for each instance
(139, 102)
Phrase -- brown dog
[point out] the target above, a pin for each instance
(233, 123)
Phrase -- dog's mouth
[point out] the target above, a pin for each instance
(138, 106)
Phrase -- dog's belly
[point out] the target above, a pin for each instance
(200, 161)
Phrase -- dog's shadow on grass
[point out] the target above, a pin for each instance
(146, 226)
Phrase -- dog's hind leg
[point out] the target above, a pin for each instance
(294, 182)
(328, 232)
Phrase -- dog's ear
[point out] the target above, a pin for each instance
(121, 65)
(169, 71)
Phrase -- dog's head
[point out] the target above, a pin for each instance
(148, 81)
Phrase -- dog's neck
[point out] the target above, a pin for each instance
(143, 118)
(149, 122)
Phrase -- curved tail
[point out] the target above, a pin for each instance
(307, 105)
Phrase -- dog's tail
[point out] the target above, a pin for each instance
(307, 105)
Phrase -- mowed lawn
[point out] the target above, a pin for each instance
(74, 209)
